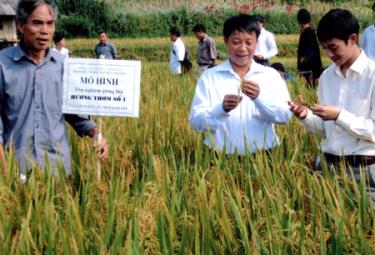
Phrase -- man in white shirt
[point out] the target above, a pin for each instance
(266, 45)
(59, 45)
(368, 38)
(177, 52)
(238, 102)
(345, 115)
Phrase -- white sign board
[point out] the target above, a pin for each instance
(101, 87)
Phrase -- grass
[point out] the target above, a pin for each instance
(164, 192)
(158, 49)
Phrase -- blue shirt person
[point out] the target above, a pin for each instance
(31, 94)
(105, 49)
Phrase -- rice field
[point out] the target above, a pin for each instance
(163, 192)
(359, 6)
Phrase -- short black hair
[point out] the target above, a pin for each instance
(199, 28)
(339, 24)
(259, 18)
(175, 31)
(278, 66)
(303, 16)
(242, 23)
(102, 32)
(58, 37)
(373, 7)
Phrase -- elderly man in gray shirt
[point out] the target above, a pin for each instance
(31, 94)
(207, 54)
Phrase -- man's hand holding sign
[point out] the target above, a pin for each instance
(101, 87)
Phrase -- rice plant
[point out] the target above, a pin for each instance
(163, 192)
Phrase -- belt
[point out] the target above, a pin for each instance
(353, 160)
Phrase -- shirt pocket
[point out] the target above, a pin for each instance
(16, 91)
(52, 96)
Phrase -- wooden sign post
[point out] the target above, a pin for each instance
(101, 87)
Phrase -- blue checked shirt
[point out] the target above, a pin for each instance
(31, 110)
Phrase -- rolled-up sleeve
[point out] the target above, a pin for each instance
(80, 123)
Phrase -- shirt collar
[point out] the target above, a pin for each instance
(227, 67)
(19, 53)
(359, 65)
(204, 38)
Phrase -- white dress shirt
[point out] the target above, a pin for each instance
(353, 133)
(250, 126)
(368, 41)
(266, 44)
(63, 51)
(177, 54)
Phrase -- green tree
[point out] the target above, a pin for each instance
(83, 18)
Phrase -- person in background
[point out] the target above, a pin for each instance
(239, 101)
(266, 46)
(59, 45)
(207, 54)
(31, 94)
(105, 49)
(345, 116)
(367, 42)
(281, 69)
(309, 63)
(177, 52)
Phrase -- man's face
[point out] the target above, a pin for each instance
(241, 47)
(61, 43)
(199, 35)
(38, 29)
(103, 38)
(341, 53)
(172, 37)
(373, 13)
